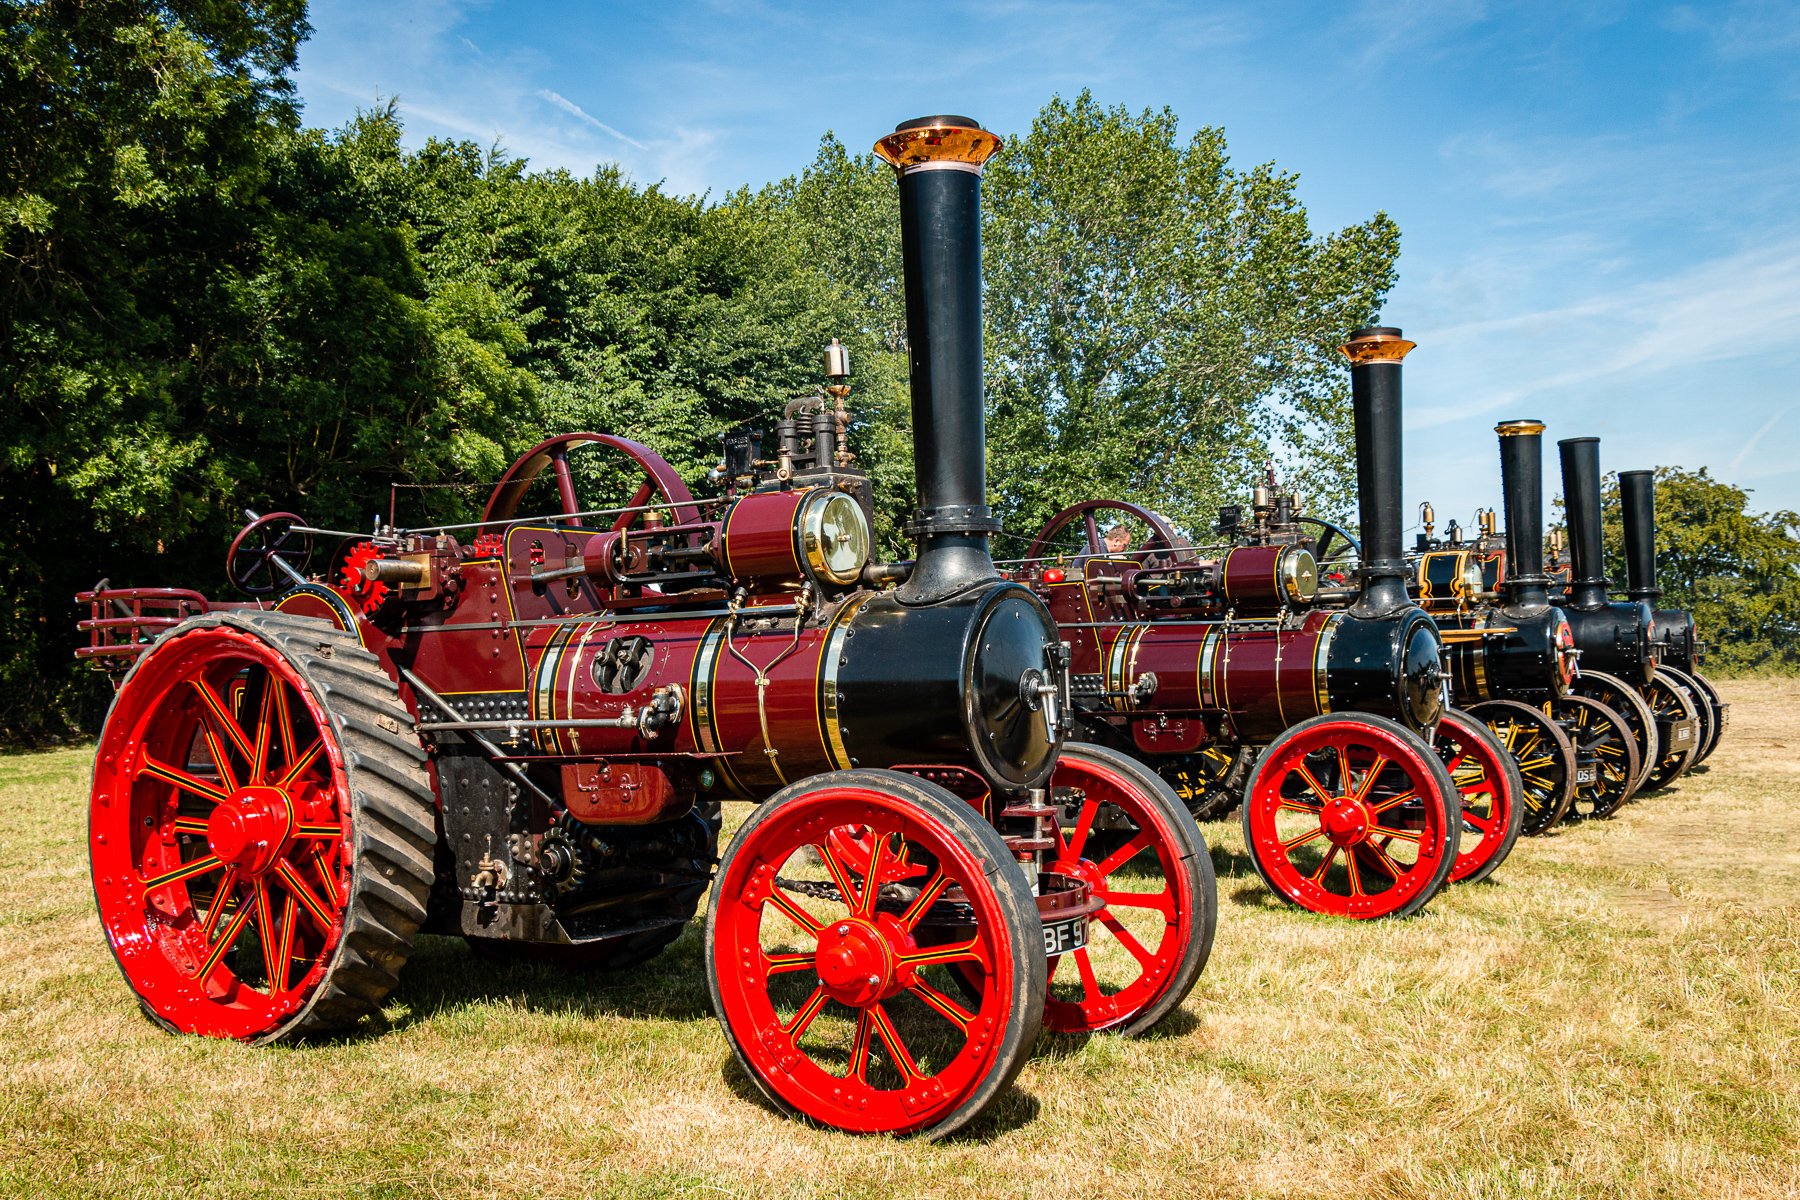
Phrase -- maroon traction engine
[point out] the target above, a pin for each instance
(522, 737)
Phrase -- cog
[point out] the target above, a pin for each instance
(369, 594)
(487, 545)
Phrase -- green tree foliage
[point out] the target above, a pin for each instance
(1736, 571)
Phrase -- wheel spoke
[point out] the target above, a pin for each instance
(1123, 854)
(969, 951)
(1317, 788)
(1084, 824)
(781, 964)
(265, 728)
(308, 900)
(852, 900)
(1368, 783)
(799, 916)
(859, 1047)
(265, 934)
(290, 914)
(190, 825)
(1355, 873)
(1393, 801)
(956, 1013)
(865, 905)
(326, 875)
(1126, 938)
(898, 1054)
(181, 779)
(1299, 806)
(199, 866)
(1162, 902)
(1318, 874)
(222, 721)
(1090, 983)
(232, 929)
(222, 894)
(927, 896)
(1384, 860)
(299, 765)
(803, 1019)
(1301, 839)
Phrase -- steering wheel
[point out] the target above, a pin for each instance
(250, 563)
(659, 480)
(1325, 548)
(1162, 538)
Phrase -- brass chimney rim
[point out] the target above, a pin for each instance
(938, 144)
(1519, 428)
(1376, 343)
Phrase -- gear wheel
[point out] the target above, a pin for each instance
(369, 594)
(487, 545)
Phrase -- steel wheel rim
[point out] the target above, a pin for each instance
(1384, 776)
(1597, 729)
(221, 892)
(1148, 969)
(1487, 798)
(862, 931)
(1524, 733)
(1666, 700)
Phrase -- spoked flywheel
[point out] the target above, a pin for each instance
(1626, 701)
(1353, 816)
(261, 828)
(1488, 780)
(1210, 781)
(1606, 756)
(836, 992)
(1150, 941)
(1544, 755)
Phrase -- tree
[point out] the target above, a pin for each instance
(1736, 571)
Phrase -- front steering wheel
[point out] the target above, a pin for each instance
(266, 540)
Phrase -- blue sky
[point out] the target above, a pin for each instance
(1599, 202)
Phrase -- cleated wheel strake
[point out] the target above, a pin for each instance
(224, 830)
(1488, 781)
(1352, 816)
(1149, 943)
(838, 997)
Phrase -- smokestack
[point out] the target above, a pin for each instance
(938, 161)
(1637, 497)
(1375, 353)
(1522, 491)
(1581, 500)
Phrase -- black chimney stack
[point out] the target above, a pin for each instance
(1637, 497)
(1581, 500)
(938, 161)
(1522, 490)
(1375, 352)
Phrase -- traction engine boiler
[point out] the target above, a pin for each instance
(520, 731)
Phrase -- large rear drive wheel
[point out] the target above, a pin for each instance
(1150, 942)
(835, 988)
(261, 828)
(1606, 756)
(1353, 816)
(1488, 780)
(1543, 753)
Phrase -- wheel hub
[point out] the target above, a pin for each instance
(855, 963)
(1346, 821)
(250, 829)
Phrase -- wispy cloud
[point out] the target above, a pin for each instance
(1737, 460)
(575, 110)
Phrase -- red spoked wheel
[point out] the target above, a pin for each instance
(838, 998)
(260, 865)
(1352, 816)
(1150, 942)
(1489, 783)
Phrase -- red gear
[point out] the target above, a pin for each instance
(487, 545)
(369, 594)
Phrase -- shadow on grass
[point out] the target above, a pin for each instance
(443, 975)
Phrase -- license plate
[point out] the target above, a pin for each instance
(1684, 734)
(1586, 774)
(1060, 937)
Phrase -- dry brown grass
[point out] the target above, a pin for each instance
(1613, 1015)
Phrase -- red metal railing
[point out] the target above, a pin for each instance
(122, 622)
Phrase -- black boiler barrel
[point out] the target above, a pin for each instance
(938, 161)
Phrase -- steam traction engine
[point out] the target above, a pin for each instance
(518, 731)
(1618, 639)
(1350, 811)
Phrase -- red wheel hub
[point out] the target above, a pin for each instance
(1346, 821)
(855, 963)
(251, 829)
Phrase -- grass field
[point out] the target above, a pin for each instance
(1614, 1014)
